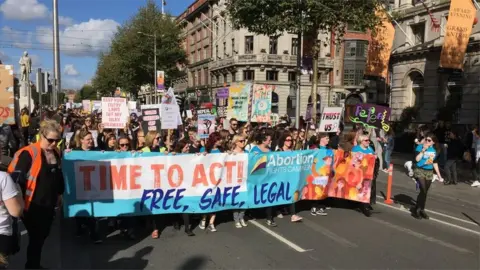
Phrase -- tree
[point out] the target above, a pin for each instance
(87, 92)
(309, 17)
(129, 62)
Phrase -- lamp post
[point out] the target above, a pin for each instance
(154, 64)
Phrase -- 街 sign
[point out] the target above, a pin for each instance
(112, 184)
(459, 27)
(369, 115)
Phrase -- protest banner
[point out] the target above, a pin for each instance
(330, 121)
(221, 111)
(239, 95)
(261, 103)
(150, 120)
(112, 184)
(222, 93)
(114, 112)
(96, 105)
(369, 115)
(206, 125)
(160, 81)
(87, 106)
(7, 111)
(169, 115)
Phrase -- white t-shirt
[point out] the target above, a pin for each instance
(8, 190)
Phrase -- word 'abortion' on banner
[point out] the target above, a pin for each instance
(112, 184)
(114, 112)
(330, 121)
(369, 115)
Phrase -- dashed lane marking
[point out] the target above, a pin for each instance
(279, 237)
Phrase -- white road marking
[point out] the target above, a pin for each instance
(444, 215)
(434, 219)
(279, 237)
(335, 237)
(422, 236)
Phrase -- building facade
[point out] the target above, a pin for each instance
(417, 81)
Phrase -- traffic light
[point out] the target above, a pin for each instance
(40, 81)
(47, 83)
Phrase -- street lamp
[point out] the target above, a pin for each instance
(154, 60)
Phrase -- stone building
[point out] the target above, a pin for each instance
(414, 65)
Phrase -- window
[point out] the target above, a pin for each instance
(199, 77)
(272, 75)
(192, 39)
(205, 52)
(225, 78)
(337, 73)
(233, 46)
(353, 76)
(199, 35)
(192, 57)
(205, 75)
(248, 75)
(273, 48)
(294, 46)
(418, 33)
(217, 79)
(215, 27)
(292, 76)
(234, 76)
(199, 52)
(212, 80)
(216, 52)
(224, 49)
(356, 48)
(248, 44)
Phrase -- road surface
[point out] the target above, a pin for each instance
(345, 239)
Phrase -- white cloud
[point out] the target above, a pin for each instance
(82, 39)
(72, 83)
(24, 10)
(4, 57)
(65, 21)
(70, 70)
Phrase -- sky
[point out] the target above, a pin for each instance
(86, 29)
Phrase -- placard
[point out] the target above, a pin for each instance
(169, 117)
(330, 120)
(150, 120)
(261, 103)
(369, 115)
(206, 125)
(114, 112)
(7, 111)
(238, 99)
(86, 105)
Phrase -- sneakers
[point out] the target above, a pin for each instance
(321, 212)
(212, 228)
(476, 183)
(279, 214)
(238, 225)
(423, 214)
(313, 211)
(271, 223)
(243, 223)
(203, 224)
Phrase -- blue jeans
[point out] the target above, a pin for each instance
(387, 154)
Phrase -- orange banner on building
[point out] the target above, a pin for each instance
(457, 33)
(380, 48)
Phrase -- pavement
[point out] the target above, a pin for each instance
(345, 239)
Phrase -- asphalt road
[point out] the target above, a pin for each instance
(345, 239)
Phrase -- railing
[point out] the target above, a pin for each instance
(273, 59)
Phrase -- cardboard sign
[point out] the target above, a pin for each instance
(369, 115)
(150, 120)
(330, 120)
(7, 115)
(206, 125)
(114, 112)
(169, 116)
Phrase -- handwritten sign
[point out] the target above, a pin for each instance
(169, 116)
(114, 112)
(330, 120)
(261, 103)
(239, 95)
(370, 116)
(222, 93)
(86, 104)
(7, 115)
(151, 120)
(206, 125)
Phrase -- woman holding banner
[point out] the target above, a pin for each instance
(238, 147)
(285, 144)
(363, 146)
(38, 172)
(214, 145)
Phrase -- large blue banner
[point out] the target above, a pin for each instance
(117, 184)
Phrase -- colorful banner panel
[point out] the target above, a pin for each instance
(380, 48)
(160, 81)
(369, 115)
(239, 95)
(457, 33)
(262, 103)
(112, 184)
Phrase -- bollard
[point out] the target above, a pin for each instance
(388, 199)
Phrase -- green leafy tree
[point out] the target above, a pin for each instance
(129, 63)
(87, 92)
(309, 17)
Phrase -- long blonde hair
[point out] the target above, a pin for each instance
(3, 260)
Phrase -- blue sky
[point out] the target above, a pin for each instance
(86, 28)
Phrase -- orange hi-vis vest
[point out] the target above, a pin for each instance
(35, 153)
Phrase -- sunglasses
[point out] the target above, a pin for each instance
(429, 140)
(288, 140)
(124, 145)
(241, 141)
(50, 141)
(366, 140)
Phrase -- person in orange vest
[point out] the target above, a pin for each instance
(37, 169)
